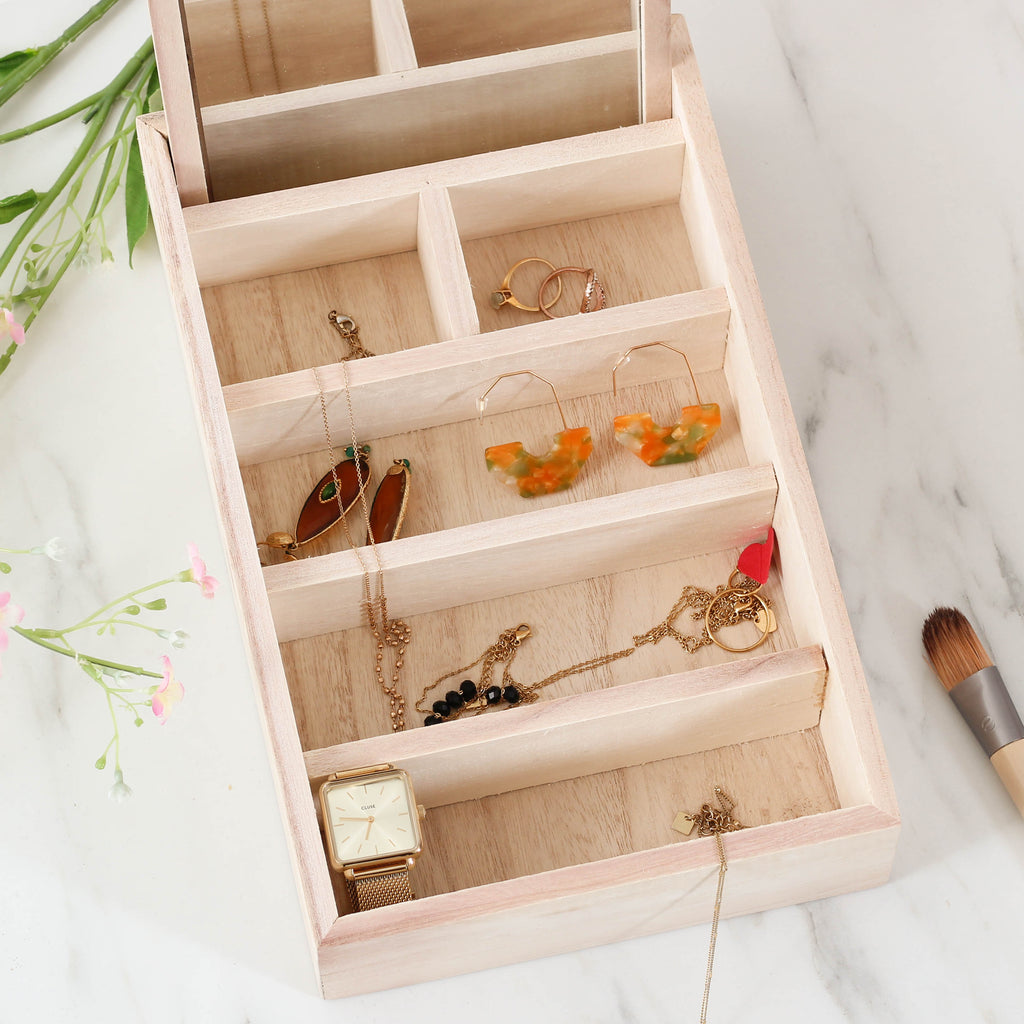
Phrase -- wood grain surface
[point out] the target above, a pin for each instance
(336, 697)
(451, 486)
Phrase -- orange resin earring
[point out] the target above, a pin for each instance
(683, 441)
(531, 475)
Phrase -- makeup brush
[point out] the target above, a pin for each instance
(966, 671)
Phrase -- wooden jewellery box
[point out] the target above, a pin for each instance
(399, 191)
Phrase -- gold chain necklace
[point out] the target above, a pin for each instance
(270, 46)
(387, 632)
(712, 821)
(731, 603)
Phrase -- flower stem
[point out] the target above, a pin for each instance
(117, 666)
(117, 733)
(46, 122)
(111, 93)
(113, 621)
(100, 196)
(6, 357)
(128, 598)
(47, 53)
(142, 61)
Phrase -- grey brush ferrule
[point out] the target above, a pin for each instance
(988, 710)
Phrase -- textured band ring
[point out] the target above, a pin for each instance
(593, 292)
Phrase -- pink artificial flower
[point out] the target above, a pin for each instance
(12, 327)
(207, 584)
(10, 614)
(168, 693)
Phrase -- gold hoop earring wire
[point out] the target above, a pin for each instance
(624, 358)
(481, 402)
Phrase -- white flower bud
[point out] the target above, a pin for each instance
(120, 790)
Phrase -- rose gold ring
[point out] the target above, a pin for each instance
(593, 292)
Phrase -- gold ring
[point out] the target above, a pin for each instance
(593, 292)
(764, 619)
(503, 296)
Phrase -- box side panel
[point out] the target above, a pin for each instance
(609, 901)
(254, 609)
(860, 768)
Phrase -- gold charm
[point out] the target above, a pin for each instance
(683, 823)
(765, 620)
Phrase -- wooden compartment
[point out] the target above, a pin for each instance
(242, 49)
(273, 94)
(411, 253)
(584, 794)
(452, 31)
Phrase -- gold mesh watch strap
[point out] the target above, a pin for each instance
(380, 889)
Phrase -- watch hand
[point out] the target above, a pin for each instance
(353, 819)
(368, 827)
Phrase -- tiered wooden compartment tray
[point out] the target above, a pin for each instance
(295, 91)
(548, 826)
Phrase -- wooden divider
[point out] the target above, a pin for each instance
(596, 732)
(437, 113)
(444, 267)
(547, 547)
(435, 384)
(550, 182)
(392, 41)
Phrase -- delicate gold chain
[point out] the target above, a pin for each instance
(504, 650)
(714, 821)
(387, 632)
(349, 330)
(241, 45)
(270, 45)
(583, 666)
(722, 868)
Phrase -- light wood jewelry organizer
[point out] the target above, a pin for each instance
(548, 826)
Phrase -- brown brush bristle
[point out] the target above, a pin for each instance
(953, 647)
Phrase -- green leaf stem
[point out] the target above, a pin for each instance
(53, 230)
(13, 207)
(10, 62)
(24, 65)
(136, 201)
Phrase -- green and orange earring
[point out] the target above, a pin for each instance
(683, 440)
(532, 475)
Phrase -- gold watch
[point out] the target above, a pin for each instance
(372, 825)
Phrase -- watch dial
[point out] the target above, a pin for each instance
(371, 818)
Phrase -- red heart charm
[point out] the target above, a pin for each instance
(756, 559)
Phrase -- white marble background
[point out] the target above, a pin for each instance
(877, 154)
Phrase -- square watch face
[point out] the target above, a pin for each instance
(369, 818)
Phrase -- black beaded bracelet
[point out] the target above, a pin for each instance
(468, 698)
